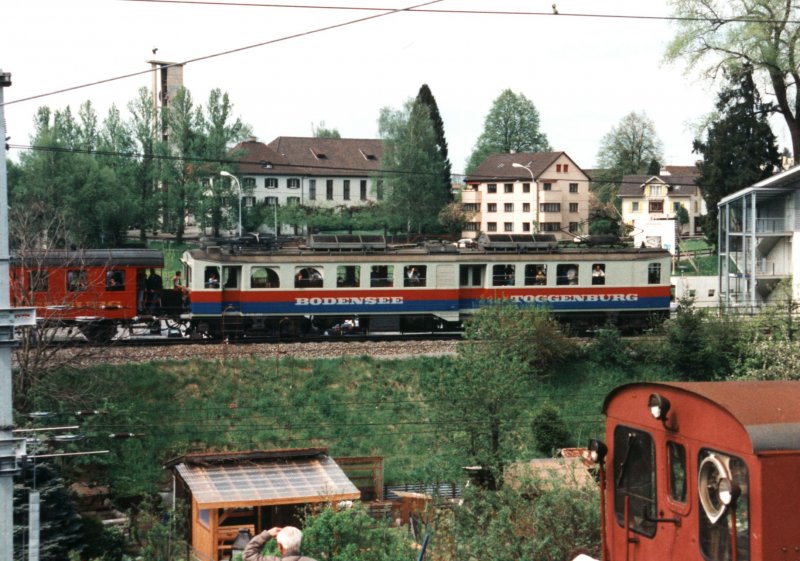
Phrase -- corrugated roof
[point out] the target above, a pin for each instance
(284, 481)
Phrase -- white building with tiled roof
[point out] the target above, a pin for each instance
(525, 193)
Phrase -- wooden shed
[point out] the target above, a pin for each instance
(253, 490)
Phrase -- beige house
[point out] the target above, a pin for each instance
(526, 193)
(658, 197)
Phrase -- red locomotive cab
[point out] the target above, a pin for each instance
(701, 471)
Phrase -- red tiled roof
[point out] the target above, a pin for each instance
(500, 166)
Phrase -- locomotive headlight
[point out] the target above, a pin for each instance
(715, 486)
(659, 406)
(728, 491)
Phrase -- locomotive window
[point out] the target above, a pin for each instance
(381, 276)
(598, 273)
(715, 536)
(348, 276)
(654, 273)
(503, 275)
(415, 275)
(39, 281)
(115, 280)
(677, 471)
(76, 280)
(307, 277)
(471, 275)
(230, 277)
(635, 479)
(211, 277)
(567, 274)
(264, 277)
(535, 275)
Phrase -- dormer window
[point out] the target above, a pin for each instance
(319, 155)
(367, 155)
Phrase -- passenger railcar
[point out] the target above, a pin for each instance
(701, 472)
(417, 288)
(93, 290)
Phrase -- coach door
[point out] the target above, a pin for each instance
(231, 285)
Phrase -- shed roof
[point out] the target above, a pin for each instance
(768, 411)
(268, 481)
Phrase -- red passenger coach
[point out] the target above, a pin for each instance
(701, 471)
(94, 290)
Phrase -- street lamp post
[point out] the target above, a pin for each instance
(224, 173)
(535, 193)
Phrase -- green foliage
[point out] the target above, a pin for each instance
(549, 429)
(352, 535)
(512, 125)
(739, 149)
(101, 543)
(426, 96)
(454, 218)
(609, 348)
(629, 148)
(160, 534)
(322, 131)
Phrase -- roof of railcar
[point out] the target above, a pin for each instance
(90, 258)
(768, 411)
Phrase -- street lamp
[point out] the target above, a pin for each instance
(535, 192)
(224, 173)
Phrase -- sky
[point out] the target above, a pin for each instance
(583, 74)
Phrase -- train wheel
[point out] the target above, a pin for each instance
(98, 332)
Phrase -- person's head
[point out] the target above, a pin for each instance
(152, 271)
(177, 273)
(289, 539)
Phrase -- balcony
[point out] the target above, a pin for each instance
(770, 225)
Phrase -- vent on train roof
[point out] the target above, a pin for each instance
(518, 242)
(346, 242)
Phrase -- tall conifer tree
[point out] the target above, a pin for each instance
(425, 96)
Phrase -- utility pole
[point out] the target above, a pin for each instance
(11, 448)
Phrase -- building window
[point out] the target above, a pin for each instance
(270, 182)
(491, 226)
(547, 187)
(470, 207)
(471, 227)
(292, 200)
(635, 206)
(574, 227)
(655, 190)
(271, 201)
(526, 187)
(249, 183)
(654, 273)
(573, 207)
(508, 226)
(363, 189)
(550, 207)
(565, 168)
(551, 226)
(346, 190)
(526, 227)
(526, 207)
(491, 188)
(293, 183)
(491, 207)
(249, 201)
(312, 189)
(329, 189)
(656, 206)
(508, 188)
(508, 207)
(573, 187)
(676, 206)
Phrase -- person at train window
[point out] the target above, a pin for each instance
(540, 279)
(141, 290)
(155, 285)
(115, 280)
(572, 276)
(177, 286)
(598, 274)
(213, 281)
(413, 277)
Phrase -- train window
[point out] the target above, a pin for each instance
(348, 276)
(715, 517)
(76, 280)
(230, 277)
(471, 275)
(264, 277)
(307, 277)
(415, 275)
(381, 276)
(654, 273)
(677, 471)
(635, 479)
(598, 273)
(567, 274)
(503, 275)
(211, 277)
(115, 280)
(39, 281)
(535, 275)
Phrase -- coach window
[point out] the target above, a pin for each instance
(76, 280)
(567, 274)
(598, 273)
(211, 277)
(471, 275)
(115, 280)
(348, 276)
(635, 479)
(39, 281)
(715, 517)
(535, 275)
(264, 277)
(307, 277)
(676, 454)
(503, 275)
(654, 273)
(415, 275)
(381, 276)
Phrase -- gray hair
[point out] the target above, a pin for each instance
(289, 539)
